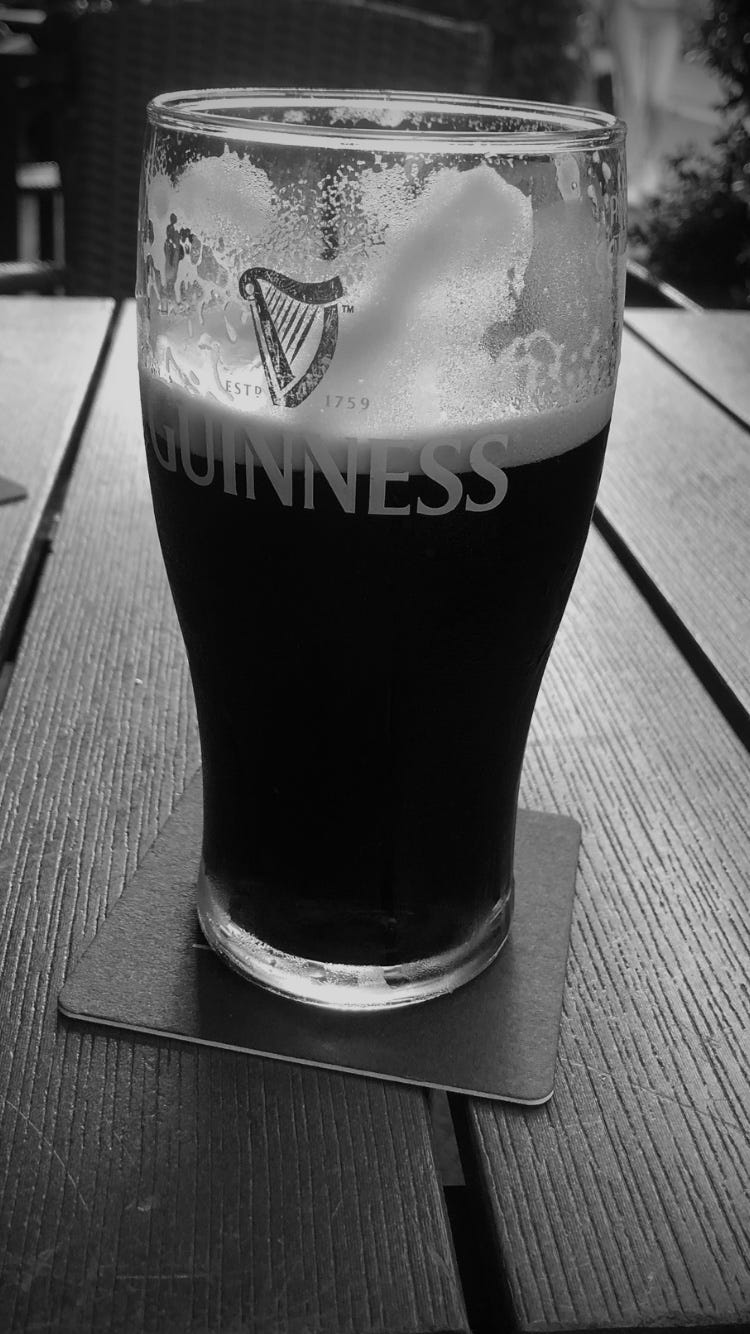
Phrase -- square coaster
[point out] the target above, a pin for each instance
(11, 491)
(149, 969)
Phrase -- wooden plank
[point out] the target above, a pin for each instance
(712, 349)
(149, 1185)
(623, 1203)
(48, 352)
(676, 489)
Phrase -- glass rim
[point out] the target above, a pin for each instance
(214, 112)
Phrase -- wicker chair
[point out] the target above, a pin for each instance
(122, 57)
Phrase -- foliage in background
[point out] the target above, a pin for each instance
(537, 47)
(696, 234)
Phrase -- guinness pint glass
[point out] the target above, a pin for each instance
(378, 342)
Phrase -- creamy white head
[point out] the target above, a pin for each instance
(463, 310)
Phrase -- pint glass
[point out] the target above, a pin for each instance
(378, 342)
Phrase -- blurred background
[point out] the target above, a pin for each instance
(74, 79)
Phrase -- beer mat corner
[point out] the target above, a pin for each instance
(149, 970)
(10, 491)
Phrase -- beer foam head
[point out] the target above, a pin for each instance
(446, 295)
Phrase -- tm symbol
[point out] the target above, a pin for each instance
(347, 308)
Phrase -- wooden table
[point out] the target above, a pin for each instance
(149, 1185)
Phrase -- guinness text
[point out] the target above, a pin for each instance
(214, 451)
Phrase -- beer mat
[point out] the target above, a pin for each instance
(149, 969)
(11, 491)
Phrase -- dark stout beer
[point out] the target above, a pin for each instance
(378, 339)
(364, 673)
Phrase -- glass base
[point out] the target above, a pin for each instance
(346, 986)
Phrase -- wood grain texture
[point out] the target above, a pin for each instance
(624, 1202)
(48, 350)
(712, 349)
(676, 488)
(148, 1185)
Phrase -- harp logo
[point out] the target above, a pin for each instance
(296, 325)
